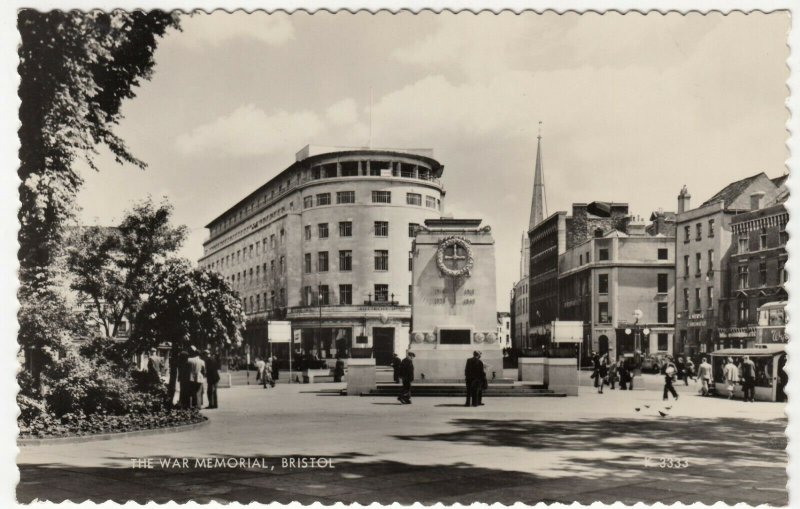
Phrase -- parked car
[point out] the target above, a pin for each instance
(654, 362)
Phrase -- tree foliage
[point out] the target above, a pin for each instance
(76, 69)
(188, 306)
(113, 267)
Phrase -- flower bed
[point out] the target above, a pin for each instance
(71, 425)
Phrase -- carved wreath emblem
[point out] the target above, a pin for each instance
(454, 257)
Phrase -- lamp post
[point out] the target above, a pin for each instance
(637, 339)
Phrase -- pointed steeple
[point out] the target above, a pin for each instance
(539, 202)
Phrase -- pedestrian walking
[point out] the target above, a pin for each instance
(184, 381)
(669, 371)
(275, 369)
(406, 376)
(689, 371)
(154, 367)
(475, 376)
(338, 369)
(212, 378)
(730, 374)
(749, 379)
(259, 368)
(595, 369)
(680, 367)
(266, 376)
(396, 367)
(623, 373)
(613, 374)
(602, 372)
(704, 374)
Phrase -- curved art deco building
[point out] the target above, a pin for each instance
(326, 245)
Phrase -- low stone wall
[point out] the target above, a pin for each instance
(561, 375)
(531, 369)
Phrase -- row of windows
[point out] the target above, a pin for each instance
(698, 264)
(743, 242)
(380, 228)
(743, 275)
(346, 197)
(322, 296)
(662, 283)
(248, 274)
(698, 298)
(381, 261)
(248, 252)
(603, 255)
(687, 231)
(662, 312)
(256, 303)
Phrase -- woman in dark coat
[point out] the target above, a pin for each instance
(338, 370)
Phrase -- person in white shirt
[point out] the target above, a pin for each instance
(731, 375)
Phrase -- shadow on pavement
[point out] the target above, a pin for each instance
(730, 460)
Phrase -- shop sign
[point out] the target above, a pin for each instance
(737, 332)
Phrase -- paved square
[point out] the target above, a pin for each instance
(590, 448)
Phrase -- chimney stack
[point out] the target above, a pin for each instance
(756, 199)
(683, 200)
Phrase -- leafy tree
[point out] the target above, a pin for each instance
(113, 267)
(76, 68)
(188, 307)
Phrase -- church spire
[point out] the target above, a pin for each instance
(539, 202)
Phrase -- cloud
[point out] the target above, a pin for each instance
(249, 131)
(343, 112)
(202, 29)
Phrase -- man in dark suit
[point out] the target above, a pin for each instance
(396, 367)
(407, 376)
(474, 374)
(212, 378)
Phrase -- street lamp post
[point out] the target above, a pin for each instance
(637, 331)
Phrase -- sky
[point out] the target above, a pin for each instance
(632, 108)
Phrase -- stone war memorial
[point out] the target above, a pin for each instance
(453, 308)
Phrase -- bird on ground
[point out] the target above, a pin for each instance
(662, 414)
(668, 407)
(637, 409)
(647, 406)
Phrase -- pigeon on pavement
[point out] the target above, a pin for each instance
(662, 413)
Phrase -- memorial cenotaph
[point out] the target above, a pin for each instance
(453, 309)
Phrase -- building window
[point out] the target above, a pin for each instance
(710, 261)
(272, 299)
(308, 232)
(710, 227)
(381, 228)
(413, 199)
(345, 295)
(430, 202)
(411, 295)
(410, 262)
(323, 199)
(322, 230)
(699, 227)
(346, 229)
(744, 311)
(258, 302)
(686, 266)
(743, 243)
(588, 257)
(308, 296)
(783, 236)
(283, 235)
(663, 254)
(381, 197)
(602, 254)
(602, 283)
(343, 197)
(698, 305)
(742, 277)
(283, 264)
(282, 297)
(699, 262)
(272, 240)
(580, 259)
(602, 312)
(762, 239)
(307, 263)
(258, 272)
(308, 202)
(663, 283)
(663, 312)
(323, 295)
(345, 261)
(381, 259)
(412, 229)
(687, 233)
(781, 272)
(710, 297)
(322, 261)
(663, 342)
(762, 272)
(272, 266)
(381, 293)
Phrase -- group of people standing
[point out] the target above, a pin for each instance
(197, 374)
(267, 371)
(474, 375)
(605, 372)
(744, 373)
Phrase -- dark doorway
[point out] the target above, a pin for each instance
(383, 345)
(602, 344)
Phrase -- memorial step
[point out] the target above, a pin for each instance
(453, 390)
